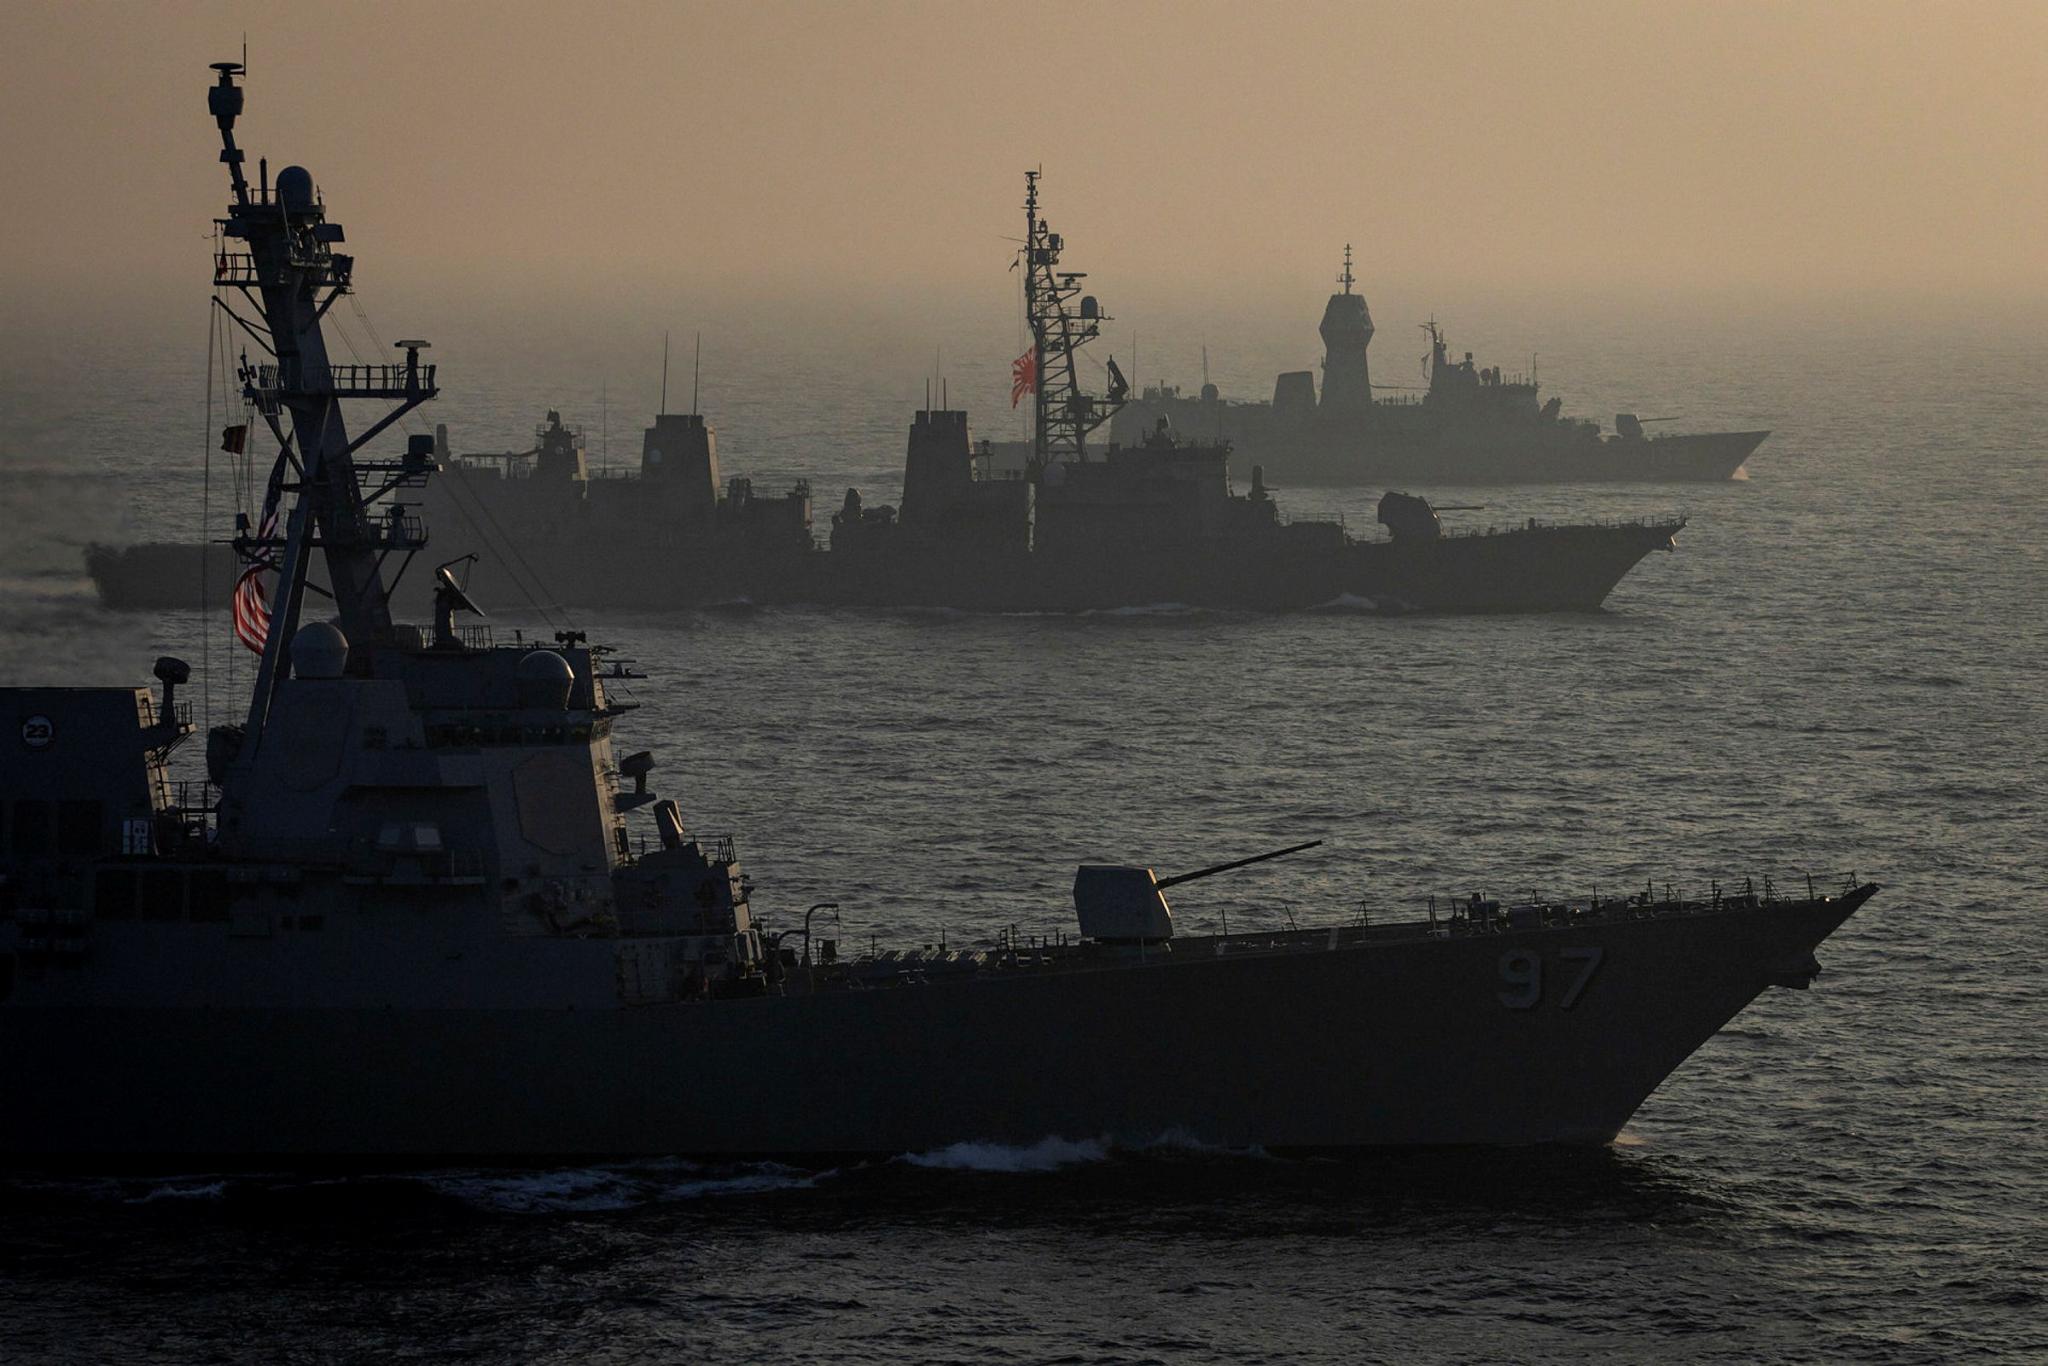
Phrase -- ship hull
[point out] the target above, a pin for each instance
(1533, 569)
(1403, 448)
(1422, 1042)
(1699, 458)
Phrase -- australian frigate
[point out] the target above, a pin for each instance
(1470, 424)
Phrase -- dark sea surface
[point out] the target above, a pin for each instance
(1842, 667)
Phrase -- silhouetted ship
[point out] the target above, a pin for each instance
(1150, 521)
(672, 533)
(1473, 425)
(405, 918)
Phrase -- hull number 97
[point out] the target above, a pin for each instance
(1521, 970)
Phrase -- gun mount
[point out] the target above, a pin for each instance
(1124, 904)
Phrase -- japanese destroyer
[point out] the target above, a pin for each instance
(1471, 425)
(1153, 519)
(404, 917)
(1156, 519)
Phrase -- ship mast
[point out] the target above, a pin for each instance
(1059, 329)
(288, 271)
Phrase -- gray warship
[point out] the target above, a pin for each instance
(405, 917)
(1153, 519)
(671, 533)
(1156, 519)
(1472, 425)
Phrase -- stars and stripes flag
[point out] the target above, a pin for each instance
(252, 608)
(1024, 375)
(252, 594)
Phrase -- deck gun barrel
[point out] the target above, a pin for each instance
(1214, 869)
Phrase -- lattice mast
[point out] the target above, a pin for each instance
(1062, 320)
(290, 273)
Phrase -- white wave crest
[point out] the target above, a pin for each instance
(1352, 602)
(1048, 1154)
(1145, 609)
(1178, 1140)
(202, 1189)
(593, 1189)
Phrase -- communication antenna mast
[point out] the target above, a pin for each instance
(696, 369)
(291, 277)
(664, 372)
(1062, 321)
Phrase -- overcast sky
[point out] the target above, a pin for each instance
(1747, 149)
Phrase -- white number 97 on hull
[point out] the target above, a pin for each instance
(1522, 971)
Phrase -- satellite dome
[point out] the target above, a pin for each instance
(319, 650)
(544, 678)
(295, 189)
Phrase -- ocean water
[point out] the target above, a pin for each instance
(1841, 667)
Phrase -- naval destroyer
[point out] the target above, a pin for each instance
(406, 916)
(1473, 424)
(1155, 518)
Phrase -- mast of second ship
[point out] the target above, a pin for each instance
(1063, 415)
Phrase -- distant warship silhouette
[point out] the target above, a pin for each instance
(1472, 425)
(407, 916)
(1153, 519)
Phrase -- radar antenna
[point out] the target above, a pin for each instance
(451, 597)
(1062, 321)
(290, 271)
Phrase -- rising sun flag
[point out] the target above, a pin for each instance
(1024, 375)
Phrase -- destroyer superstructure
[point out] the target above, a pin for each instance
(406, 917)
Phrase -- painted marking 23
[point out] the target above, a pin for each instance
(1522, 970)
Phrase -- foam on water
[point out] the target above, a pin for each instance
(1048, 1154)
(602, 1188)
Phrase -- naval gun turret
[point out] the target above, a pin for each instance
(1125, 904)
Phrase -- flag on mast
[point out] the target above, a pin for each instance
(252, 608)
(252, 596)
(1024, 375)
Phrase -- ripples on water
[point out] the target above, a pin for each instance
(1840, 668)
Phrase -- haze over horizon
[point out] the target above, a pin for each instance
(1729, 157)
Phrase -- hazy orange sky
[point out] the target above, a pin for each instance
(1232, 149)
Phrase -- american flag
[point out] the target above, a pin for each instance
(252, 608)
(252, 596)
(1024, 375)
